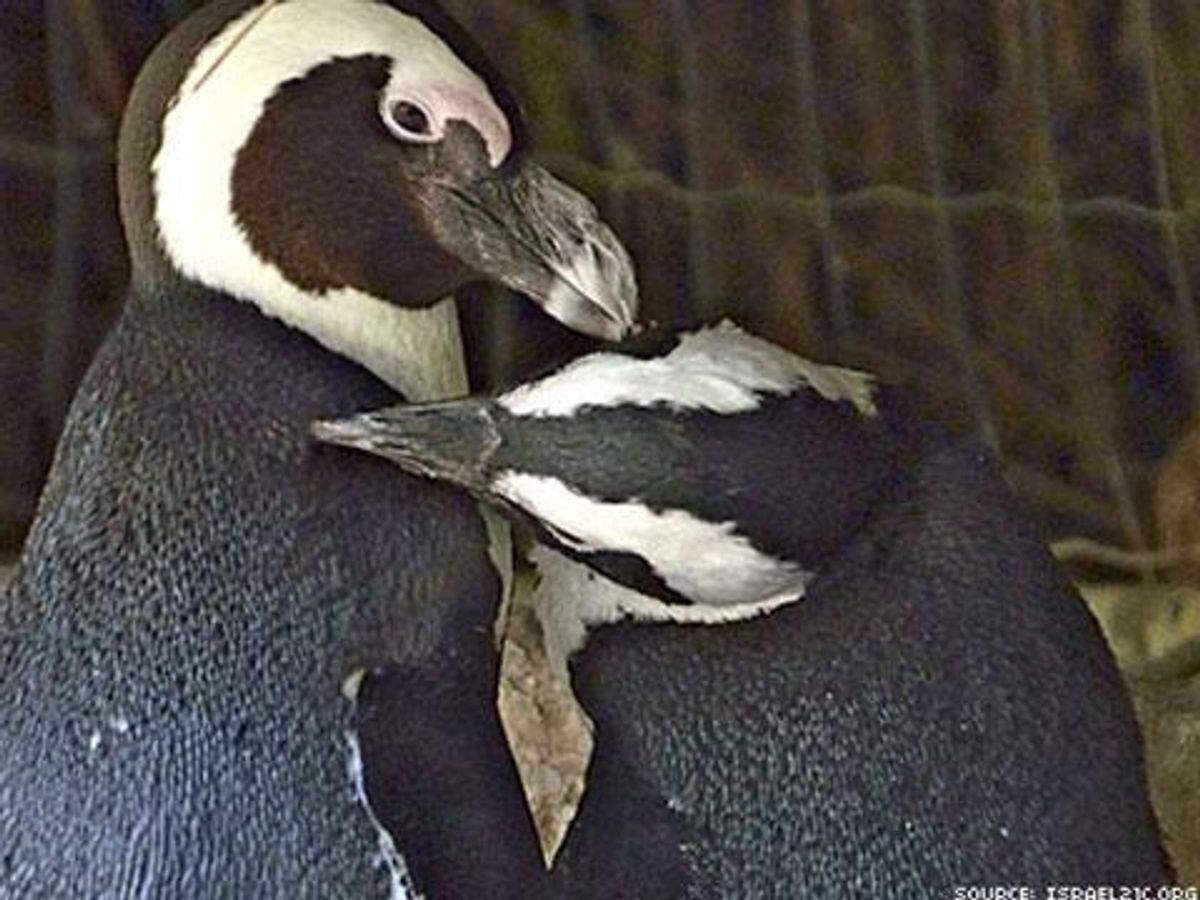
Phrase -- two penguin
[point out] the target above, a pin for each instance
(183, 648)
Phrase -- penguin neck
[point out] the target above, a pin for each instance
(415, 351)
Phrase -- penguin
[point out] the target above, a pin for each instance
(938, 711)
(236, 664)
(649, 469)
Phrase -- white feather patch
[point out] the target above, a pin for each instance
(570, 598)
(721, 369)
(214, 114)
(707, 563)
(401, 886)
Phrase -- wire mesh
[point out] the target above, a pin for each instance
(993, 203)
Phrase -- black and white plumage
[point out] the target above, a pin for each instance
(184, 711)
(685, 474)
(307, 141)
(940, 711)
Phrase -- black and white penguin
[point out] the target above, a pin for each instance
(651, 468)
(302, 181)
(940, 711)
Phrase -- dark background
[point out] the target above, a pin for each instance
(991, 201)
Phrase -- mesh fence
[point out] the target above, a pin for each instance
(993, 203)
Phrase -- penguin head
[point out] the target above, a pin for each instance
(703, 469)
(314, 156)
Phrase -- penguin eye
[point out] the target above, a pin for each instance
(410, 121)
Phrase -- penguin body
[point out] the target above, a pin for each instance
(186, 613)
(203, 589)
(940, 710)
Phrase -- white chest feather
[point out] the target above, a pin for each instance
(570, 598)
(707, 563)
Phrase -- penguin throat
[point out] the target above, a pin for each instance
(418, 352)
(571, 598)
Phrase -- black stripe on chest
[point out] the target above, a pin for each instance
(798, 476)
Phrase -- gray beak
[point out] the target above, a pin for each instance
(446, 441)
(539, 236)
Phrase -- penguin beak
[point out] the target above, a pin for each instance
(541, 237)
(446, 441)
